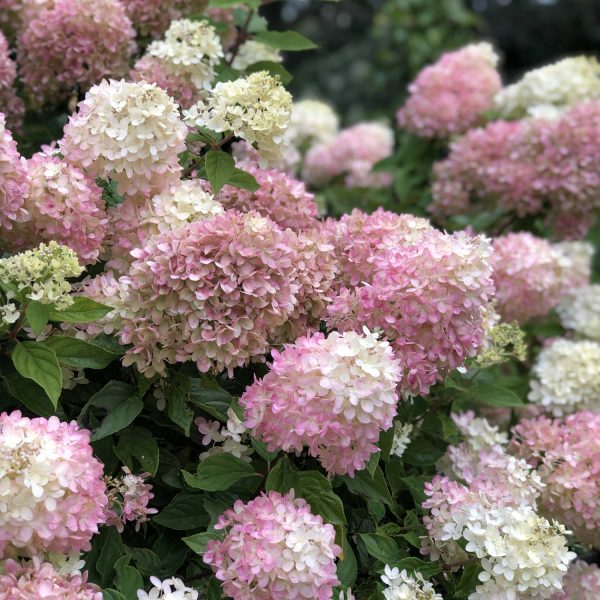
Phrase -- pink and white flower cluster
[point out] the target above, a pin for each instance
(274, 549)
(152, 18)
(128, 498)
(332, 395)
(428, 295)
(14, 184)
(11, 105)
(352, 153)
(530, 167)
(53, 494)
(582, 582)
(566, 454)
(452, 95)
(72, 45)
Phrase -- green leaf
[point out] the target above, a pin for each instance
(128, 579)
(199, 541)
(139, 444)
(232, 3)
(79, 354)
(261, 450)
(110, 192)
(110, 553)
(83, 310)
(30, 394)
(426, 568)
(111, 594)
(219, 472)
(347, 568)
(219, 168)
(273, 68)
(122, 416)
(285, 40)
(373, 463)
(242, 179)
(468, 581)
(381, 547)
(147, 561)
(37, 315)
(179, 412)
(422, 453)
(494, 395)
(416, 487)
(372, 487)
(185, 511)
(37, 362)
(207, 395)
(205, 135)
(112, 395)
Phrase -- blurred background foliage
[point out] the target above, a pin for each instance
(369, 50)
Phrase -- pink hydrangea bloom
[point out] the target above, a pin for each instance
(582, 582)
(129, 132)
(129, 497)
(274, 549)
(333, 395)
(352, 153)
(14, 184)
(53, 493)
(153, 17)
(428, 296)
(566, 453)
(359, 238)
(74, 44)
(62, 205)
(280, 197)
(530, 167)
(531, 275)
(11, 104)
(216, 292)
(180, 87)
(451, 95)
(35, 579)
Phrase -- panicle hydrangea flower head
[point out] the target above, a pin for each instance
(191, 50)
(359, 238)
(132, 224)
(14, 184)
(566, 453)
(287, 162)
(312, 122)
(169, 589)
(428, 297)
(401, 586)
(35, 579)
(54, 497)
(280, 197)
(353, 153)
(528, 167)
(128, 498)
(214, 292)
(12, 106)
(62, 205)
(579, 311)
(74, 44)
(582, 582)
(251, 52)
(274, 549)
(450, 96)
(522, 554)
(531, 276)
(566, 377)
(128, 132)
(402, 438)
(41, 274)
(549, 90)
(333, 395)
(255, 108)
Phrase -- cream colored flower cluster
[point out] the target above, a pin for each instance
(312, 122)
(547, 91)
(566, 377)
(128, 132)
(401, 586)
(580, 311)
(190, 49)
(40, 274)
(255, 108)
(252, 52)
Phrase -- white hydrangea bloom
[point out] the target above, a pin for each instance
(67, 564)
(547, 91)
(580, 311)
(255, 108)
(190, 49)
(312, 122)
(401, 439)
(9, 314)
(169, 589)
(129, 132)
(227, 439)
(401, 586)
(40, 274)
(576, 259)
(479, 433)
(252, 52)
(566, 377)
